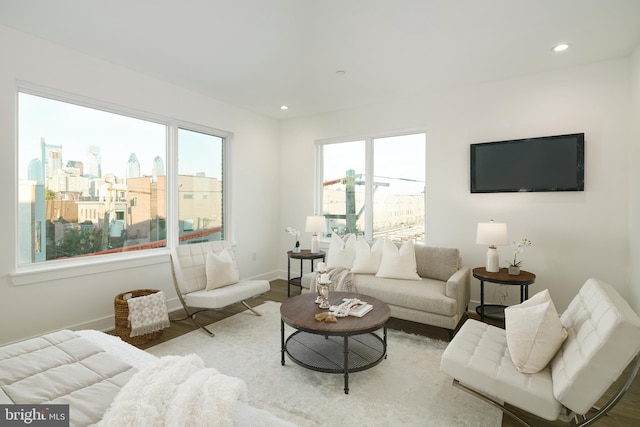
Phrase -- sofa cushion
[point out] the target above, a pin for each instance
(220, 270)
(342, 251)
(423, 295)
(534, 333)
(398, 263)
(367, 260)
(436, 263)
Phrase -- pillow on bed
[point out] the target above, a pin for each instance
(367, 258)
(220, 270)
(534, 333)
(398, 263)
(342, 251)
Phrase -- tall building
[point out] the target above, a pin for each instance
(93, 168)
(35, 171)
(54, 163)
(77, 165)
(133, 167)
(45, 156)
(157, 169)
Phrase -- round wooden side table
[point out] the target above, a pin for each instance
(302, 255)
(502, 277)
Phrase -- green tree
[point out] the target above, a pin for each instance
(77, 241)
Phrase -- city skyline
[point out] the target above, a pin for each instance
(76, 128)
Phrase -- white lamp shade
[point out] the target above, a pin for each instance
(492, 234)
(315, 224)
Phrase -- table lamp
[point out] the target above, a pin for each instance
(315, 225)
(492, 234)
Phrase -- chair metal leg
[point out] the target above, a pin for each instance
(190, 315)
(193, 319)
(251, 308)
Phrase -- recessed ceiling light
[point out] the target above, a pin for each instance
(561, 47)
(341, 72)
(284, 107)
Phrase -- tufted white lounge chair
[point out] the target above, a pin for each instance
(188, 264)
(603, 339)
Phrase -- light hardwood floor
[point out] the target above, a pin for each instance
(626, 413)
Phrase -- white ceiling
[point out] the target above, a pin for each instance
(260, 54)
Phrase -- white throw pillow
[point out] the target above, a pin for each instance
(398, 263)
(534, 333)
(342, 252)
(367, 259)
(220, 270)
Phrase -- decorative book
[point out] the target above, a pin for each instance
(351, 307)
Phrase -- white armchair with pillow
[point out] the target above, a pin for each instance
(555, 368)
(206, 277)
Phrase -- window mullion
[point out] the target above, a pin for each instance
(172, 185)
(368, 193)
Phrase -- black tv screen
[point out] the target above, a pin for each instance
(551, 163)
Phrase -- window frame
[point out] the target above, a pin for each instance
(79, 266)
(369, 140)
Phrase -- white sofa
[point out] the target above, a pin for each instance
(603, 337)
(440, 297)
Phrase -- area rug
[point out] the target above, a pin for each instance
(406, 389)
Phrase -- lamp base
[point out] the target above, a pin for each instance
(493, 260)
(315, 244)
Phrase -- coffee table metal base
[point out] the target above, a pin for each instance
(335, 353)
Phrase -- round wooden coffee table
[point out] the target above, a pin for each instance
(349, 345)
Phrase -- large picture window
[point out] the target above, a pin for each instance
(94, 182)
(200, 186)
(374, 186)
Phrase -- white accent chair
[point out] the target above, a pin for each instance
(603, 339)
(188, 265)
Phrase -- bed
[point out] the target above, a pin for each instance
(106, 381)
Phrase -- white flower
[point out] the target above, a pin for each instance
(295, 233)
(518, 249)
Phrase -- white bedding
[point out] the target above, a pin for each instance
(63, 368)
(87, 370)
(177, 391)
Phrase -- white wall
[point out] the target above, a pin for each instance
(87, 301)
(576, 235)
(634, 168)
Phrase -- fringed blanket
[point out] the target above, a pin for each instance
(148, 314)
(176, 391)
(341, 280)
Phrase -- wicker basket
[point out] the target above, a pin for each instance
(121, 309)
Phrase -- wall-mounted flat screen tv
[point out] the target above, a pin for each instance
(551, 163)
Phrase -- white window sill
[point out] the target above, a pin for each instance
(59, 270)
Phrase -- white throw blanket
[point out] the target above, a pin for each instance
(341, 280)
(148, 314)
(176, 391)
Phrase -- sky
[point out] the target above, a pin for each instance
(394, 157)
(76, 128)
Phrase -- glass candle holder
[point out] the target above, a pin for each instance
(324, 295)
